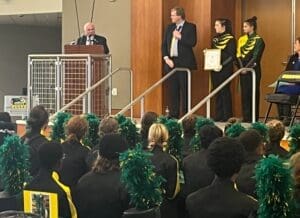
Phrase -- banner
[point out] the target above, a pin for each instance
(15, 105)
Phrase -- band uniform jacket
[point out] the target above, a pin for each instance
(74, 164)
(101, 195)
(186, 57)
(44, 182)
(98, 40)
(196, 172)
(167, 166)
(220, 200)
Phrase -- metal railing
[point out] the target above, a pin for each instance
(141, 97)
(86, 92)
(216, 90)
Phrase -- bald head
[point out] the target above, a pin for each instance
(89, 29)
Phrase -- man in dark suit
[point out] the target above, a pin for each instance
(177, 49)
(221, 199)
(90, 37)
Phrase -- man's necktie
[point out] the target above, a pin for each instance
(174, 44)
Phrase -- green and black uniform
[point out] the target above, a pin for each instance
(249, 53)
(227, 44)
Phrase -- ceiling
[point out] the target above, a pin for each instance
(52, 19)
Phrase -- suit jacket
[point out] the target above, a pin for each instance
(196, 172)
(220, 200)
(98, 40)
(101, 195)
(186, 57)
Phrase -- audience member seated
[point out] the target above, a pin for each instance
(47, 180)
(276, 133)
(108, 125)
(221, 199)
(284, 110)
(196, 172)
(295, 165)
(99, 193)
(253, 144)
(37, 121)
(188, 125)
(6, 126)
(165, 165)
(147, 120)
(74, 163)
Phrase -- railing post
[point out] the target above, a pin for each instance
(208, 108)
(253, 96)
(131, 93)
(189, 89)
(142, 106)
(216, 90)
(109, 86)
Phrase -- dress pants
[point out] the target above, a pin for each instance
(223, 97)
(177, 91)
(246, 91)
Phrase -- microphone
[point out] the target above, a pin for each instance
(95, 41)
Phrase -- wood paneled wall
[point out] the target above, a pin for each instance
(146, 61)
(149, 19)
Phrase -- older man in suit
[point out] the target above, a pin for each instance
(177, 49)
(90, 37)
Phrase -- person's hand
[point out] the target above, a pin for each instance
(169, 62)
(218, 69)
(176, 34)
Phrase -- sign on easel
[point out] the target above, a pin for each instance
(15, 105)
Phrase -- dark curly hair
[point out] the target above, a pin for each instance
(208, 134)
(251, 140)
(147, 120)
(225, 157)
(188, 125)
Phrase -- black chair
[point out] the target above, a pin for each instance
(286, 99)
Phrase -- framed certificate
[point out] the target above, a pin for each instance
(212, 59)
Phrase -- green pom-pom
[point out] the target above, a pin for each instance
(58, 129)
(14, 164)
(128, 130)
(262, 130)
(175, 141)
(235, 130)
(294, 139)
(274, 188)
(92, 138)
(200, 122)
(139, 178)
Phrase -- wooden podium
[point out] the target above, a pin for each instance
(89, 69)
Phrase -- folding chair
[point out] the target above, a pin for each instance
(281, 98)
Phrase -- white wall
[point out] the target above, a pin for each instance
(16, 42)
(112, 20)
(10, 7)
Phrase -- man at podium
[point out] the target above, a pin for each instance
(90, 37)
